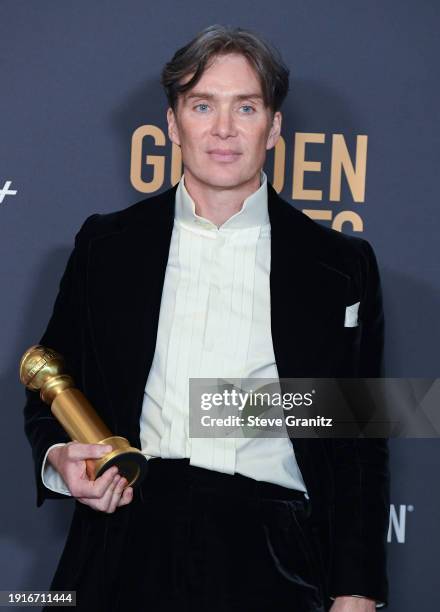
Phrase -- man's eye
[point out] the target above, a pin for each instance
(247, 109)
(202, 107)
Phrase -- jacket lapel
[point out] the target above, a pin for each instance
(307, 294)
(307, 307)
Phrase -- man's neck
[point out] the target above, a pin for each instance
(219, 204)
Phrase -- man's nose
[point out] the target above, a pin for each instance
(224, 125)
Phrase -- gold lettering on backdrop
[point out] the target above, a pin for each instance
(355, 176)
(340, 162)
(318, 215)
(157, 161)
(301, 165)
(348, 216)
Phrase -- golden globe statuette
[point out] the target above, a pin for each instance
(42, 369)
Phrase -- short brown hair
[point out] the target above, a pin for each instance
(216, 40)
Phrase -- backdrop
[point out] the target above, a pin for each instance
(83, 131)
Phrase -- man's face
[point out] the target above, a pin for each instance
(222, 125)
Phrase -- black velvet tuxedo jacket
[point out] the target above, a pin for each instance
(105, 322)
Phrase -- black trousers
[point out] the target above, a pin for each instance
(208, 541)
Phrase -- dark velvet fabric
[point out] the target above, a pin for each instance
(200, 540)
(105, 323)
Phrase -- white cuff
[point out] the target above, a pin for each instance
(51, 478)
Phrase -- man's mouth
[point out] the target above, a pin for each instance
(224, 155)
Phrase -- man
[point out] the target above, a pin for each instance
(217, 277)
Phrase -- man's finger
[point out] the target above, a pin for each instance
(117, 492)
(126, 497)
(77, 451)
(103, 502)
(95, 489)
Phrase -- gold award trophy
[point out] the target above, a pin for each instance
(42, 369)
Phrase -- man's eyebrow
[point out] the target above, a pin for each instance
(209, 96)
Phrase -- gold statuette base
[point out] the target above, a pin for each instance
(131, 463)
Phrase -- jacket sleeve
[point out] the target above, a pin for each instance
(63, 334)
(361, 468)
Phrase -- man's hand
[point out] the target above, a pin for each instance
(347, 603)
(106, 493)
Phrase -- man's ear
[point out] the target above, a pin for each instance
(173, 130)
(275, 130)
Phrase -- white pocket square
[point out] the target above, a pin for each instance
(351, 315)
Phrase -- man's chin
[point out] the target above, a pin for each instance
(223, 180)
